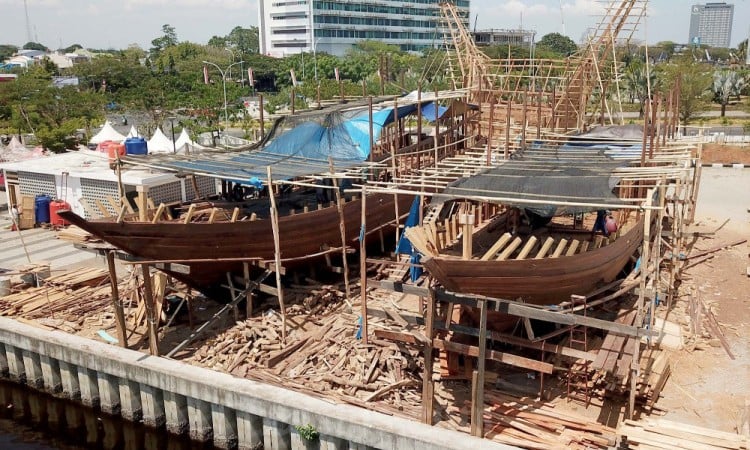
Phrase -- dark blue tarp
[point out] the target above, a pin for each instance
(428, 112)
(404, 245)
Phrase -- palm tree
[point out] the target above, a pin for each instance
(727, 84)
(636, 80)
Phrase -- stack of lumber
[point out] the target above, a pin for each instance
(76, 235)
(528, 423)
(664, 434)
(63, 302)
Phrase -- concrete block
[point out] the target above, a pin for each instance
(109, 393)
(224, 422)
(55, 415)
(199, 417)
(3, 361)
(74, 418)
(300, 443)
(152, 405)
(91, 425)
(176, 412)
(69, 381)
(249, 431)
(276, 435)
(16, 372)
(112, 431)
(356, 446)
(33, 366)
(332, 443)
(130, 400)
(89, 387)
(51, 375)
(37, 407)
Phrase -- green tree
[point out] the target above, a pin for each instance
(727, 84)
(72, 48)
(166, 40)
(637, 81)
(34, 46)
(695, 82)
(244, 40)
(558, 43)
(6, 51)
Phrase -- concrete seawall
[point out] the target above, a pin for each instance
(232, 412)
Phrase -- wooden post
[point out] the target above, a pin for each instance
(277, 252)
(419, 125)
(142, 206)
(152, 317)
(116, 303)
(466, 219)
(262, 121)
(364, 87)
(490, 130)
(652, 130)
(437, 131)
(524, 119)
(293, 99)
(539, 114)
(553, 107)
(341, 90)
(428, 386)
(317, 94)
(507, 126)
(248, 294)
(363, 265)
(644, 142)
(372, 135)
(342, 227)
(394, 168)
(477, 379)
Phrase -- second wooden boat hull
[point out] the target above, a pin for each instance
(537, 281)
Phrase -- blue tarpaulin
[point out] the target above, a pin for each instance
(404, 245)
(428, 112)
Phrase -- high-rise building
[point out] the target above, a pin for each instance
(334, 26)
(711, 24)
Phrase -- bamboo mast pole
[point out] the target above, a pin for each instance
(277, 252)
(342, 227)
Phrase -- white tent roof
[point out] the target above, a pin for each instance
(185, 145)
(107, 133)
(159, 143)
(133, 132)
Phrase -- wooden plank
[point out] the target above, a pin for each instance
(573, 247)
(477, 399)
(585, 246)
(282, 354)
(497, 247)
(545, 248)
(235, 214)
(428, 387)
(505, 358)
(527, 248)
(103, 209)
(560, 247)
(510, 249)
(159, 212)
(189, 214)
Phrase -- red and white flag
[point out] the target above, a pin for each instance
(205, 75)
(250, 78)
(336, 73)
(294, 78)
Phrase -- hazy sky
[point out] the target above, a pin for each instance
(116, 24)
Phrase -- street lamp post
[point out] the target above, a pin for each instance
(174, 144)
(224, 86)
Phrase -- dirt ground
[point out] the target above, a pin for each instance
(725, 154)
(708, 388)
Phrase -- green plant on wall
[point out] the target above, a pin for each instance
(307, 432)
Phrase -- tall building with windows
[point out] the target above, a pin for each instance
(711, 24)
(334, 26)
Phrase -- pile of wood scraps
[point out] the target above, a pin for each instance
(664, 434)
(76, 235)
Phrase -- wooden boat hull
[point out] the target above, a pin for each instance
(537, 281)
(301, 235)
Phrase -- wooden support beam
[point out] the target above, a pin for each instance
(277, 251)
(497, 246)
(477, 388)
(545, 248)
(151, 317)
(428, 387)
(560, 247)
(363, 266)
(159, 212)
(505, 358)
(116, 303)
(527, 248)
(510, 249)
(189, 214)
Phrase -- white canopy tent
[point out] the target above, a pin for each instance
(107, 133)
(159, 143)
(185, 144)
(133, 132)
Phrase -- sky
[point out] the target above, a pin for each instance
(103, 24)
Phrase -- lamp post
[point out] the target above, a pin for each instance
(224, 85)
(174, 144)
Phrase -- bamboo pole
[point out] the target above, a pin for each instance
(363, 265)
(477, 388)
(277, 252)
(507, 126)
(372, 134)
(428, 387)
(342, 227)
(262, 121)
(116, 303)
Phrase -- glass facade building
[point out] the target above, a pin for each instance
(711, 24)
(334, 26)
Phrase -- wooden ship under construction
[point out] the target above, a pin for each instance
(504, 207)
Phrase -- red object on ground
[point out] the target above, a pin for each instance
(54, 207)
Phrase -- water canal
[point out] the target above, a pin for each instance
(30, 420)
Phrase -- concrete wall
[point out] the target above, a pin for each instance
(234, 413)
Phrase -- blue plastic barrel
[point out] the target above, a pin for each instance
(136, 146)
(41, 208)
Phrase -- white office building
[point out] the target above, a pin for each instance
(711, 24)
(334, 26)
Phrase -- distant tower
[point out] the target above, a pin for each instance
(711, 24)
(28, 22)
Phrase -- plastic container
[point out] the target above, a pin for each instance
(54, 207)
(113, 150)
(136, 146)
(41, 208)
(104, 146)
